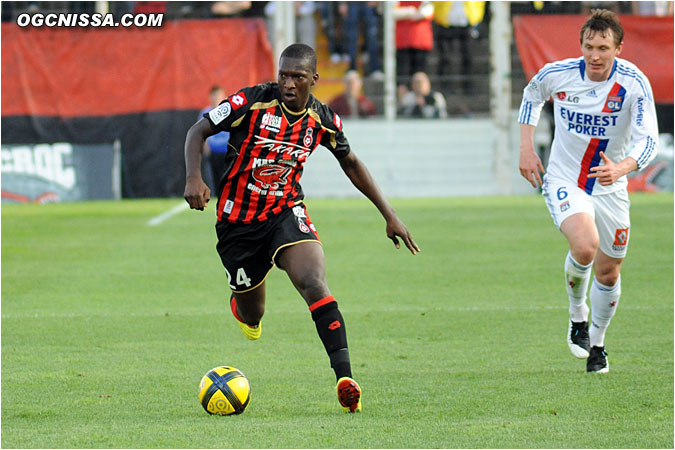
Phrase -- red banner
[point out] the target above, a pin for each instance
(648, 43)
(72, 72)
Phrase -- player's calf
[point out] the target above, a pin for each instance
(251, 332)
(331, 328)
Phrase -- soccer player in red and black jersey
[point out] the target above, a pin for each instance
(261, 218)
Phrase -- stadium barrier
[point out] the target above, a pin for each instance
(60, 172)
(141, 86)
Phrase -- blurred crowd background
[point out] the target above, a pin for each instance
(92, 113)
(445, 43)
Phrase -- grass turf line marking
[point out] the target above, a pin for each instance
(157, 220)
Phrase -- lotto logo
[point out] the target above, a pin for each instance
(338, 122)
(621, 236)
(238, 100)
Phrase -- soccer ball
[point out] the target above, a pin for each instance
(224, 390)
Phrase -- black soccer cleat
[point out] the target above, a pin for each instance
(578, 340)
(597, 362)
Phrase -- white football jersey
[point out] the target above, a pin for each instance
(591, 117)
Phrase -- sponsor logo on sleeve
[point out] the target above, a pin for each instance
(220, 113)
(338, 122)
(238, 100)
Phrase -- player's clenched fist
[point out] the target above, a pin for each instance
(197, 193)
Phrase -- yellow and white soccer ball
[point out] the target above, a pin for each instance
(224, 390)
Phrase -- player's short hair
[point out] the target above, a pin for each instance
(215, 88)
(602, 20)
(303, 52)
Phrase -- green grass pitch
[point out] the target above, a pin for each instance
(108, 325)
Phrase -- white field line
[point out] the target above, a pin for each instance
(168, 214)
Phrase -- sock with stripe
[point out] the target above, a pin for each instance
(331, 328)
(577, 277)
(604, 300)
(233, 307)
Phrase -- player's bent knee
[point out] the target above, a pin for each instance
(609, 278)
(584, 254)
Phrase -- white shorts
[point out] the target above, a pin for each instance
(609, 211)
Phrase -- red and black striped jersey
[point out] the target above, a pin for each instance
(267, 150)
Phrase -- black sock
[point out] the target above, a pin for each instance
(331, 328)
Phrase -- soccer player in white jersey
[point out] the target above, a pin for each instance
(605, 128)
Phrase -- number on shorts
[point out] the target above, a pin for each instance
(562, 193)
(229, 279)
(242, 278)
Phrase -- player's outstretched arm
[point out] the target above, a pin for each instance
(197, 193)
(360, 177)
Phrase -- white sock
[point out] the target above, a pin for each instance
(577, 277)
(604, 300)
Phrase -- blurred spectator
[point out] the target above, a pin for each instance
(238, 9)
(414, 38)
(229, 8)
(305, 25)
(586, 7)
(352, 102)
(457, 22)
(366, 13)
(215, 147)
(332, 15)
(422, 102)
(661, 9)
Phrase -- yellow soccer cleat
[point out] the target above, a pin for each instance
(251, 332)
(349, 395)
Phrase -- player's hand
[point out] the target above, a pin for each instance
(197, 193)
(530, 166)
(607, 173)
(396, 228)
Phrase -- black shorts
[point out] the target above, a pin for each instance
(248, 251)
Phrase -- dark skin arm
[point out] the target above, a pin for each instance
(360, 177)
(197, 193)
